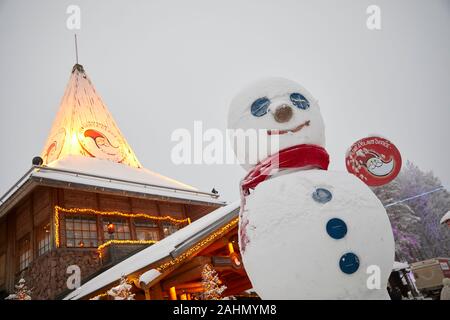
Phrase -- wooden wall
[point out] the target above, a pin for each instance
(23, 220)
(68, 198)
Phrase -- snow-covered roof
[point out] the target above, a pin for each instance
(107, 175)
(118, 171)
(181, 240)
(445, 217)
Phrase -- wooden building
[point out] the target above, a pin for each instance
(88, 202)
(171, 269)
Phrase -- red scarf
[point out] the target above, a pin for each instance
(299, 156)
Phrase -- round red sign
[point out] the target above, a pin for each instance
(375, 160)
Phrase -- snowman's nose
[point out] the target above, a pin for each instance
(283, 113)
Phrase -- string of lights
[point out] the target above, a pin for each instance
(110, 242)
(59, 210)
(198, 246)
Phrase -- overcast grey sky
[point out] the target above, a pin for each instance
(161, 65)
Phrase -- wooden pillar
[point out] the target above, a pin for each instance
(53, 203)
(230, 248)
(161, 231)
(133, 234)
(156, 292)
(99, 219)
(173, 293)
(147, 294)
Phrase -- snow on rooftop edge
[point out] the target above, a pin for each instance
(115, 170)
(149, 276)
(124, 186)
(151, 254)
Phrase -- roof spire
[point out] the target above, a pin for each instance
(84, 126)
(76, 49)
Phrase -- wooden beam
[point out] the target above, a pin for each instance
(188, 276)
(193, 263)
(216, 245)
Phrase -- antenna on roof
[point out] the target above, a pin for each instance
(76, 48)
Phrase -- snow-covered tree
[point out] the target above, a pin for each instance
(212, 290)
(415, 221)
(22, 292)
(403, 219)
(434, 238)
(122, 291)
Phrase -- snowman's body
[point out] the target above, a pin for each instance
(291, 255)
(305, 233)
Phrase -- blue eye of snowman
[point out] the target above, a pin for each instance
(322, 195)
(299, 101)
(259, 107)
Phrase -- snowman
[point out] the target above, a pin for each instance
(305, 232)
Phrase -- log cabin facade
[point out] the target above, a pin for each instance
(52, 227)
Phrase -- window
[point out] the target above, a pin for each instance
(169, 228)
(24, 250)
(43, 239)
(81, 232)
(121, 229)
(146, 230)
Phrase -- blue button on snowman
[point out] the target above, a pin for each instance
(337, 229)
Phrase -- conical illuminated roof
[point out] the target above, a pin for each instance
(84, 126)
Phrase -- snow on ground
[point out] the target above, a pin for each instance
(151, 254)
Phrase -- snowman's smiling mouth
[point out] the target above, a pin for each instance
(293, 130)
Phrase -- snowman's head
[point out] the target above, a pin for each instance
(279, 109)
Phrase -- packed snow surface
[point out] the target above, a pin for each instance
(288, 238)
